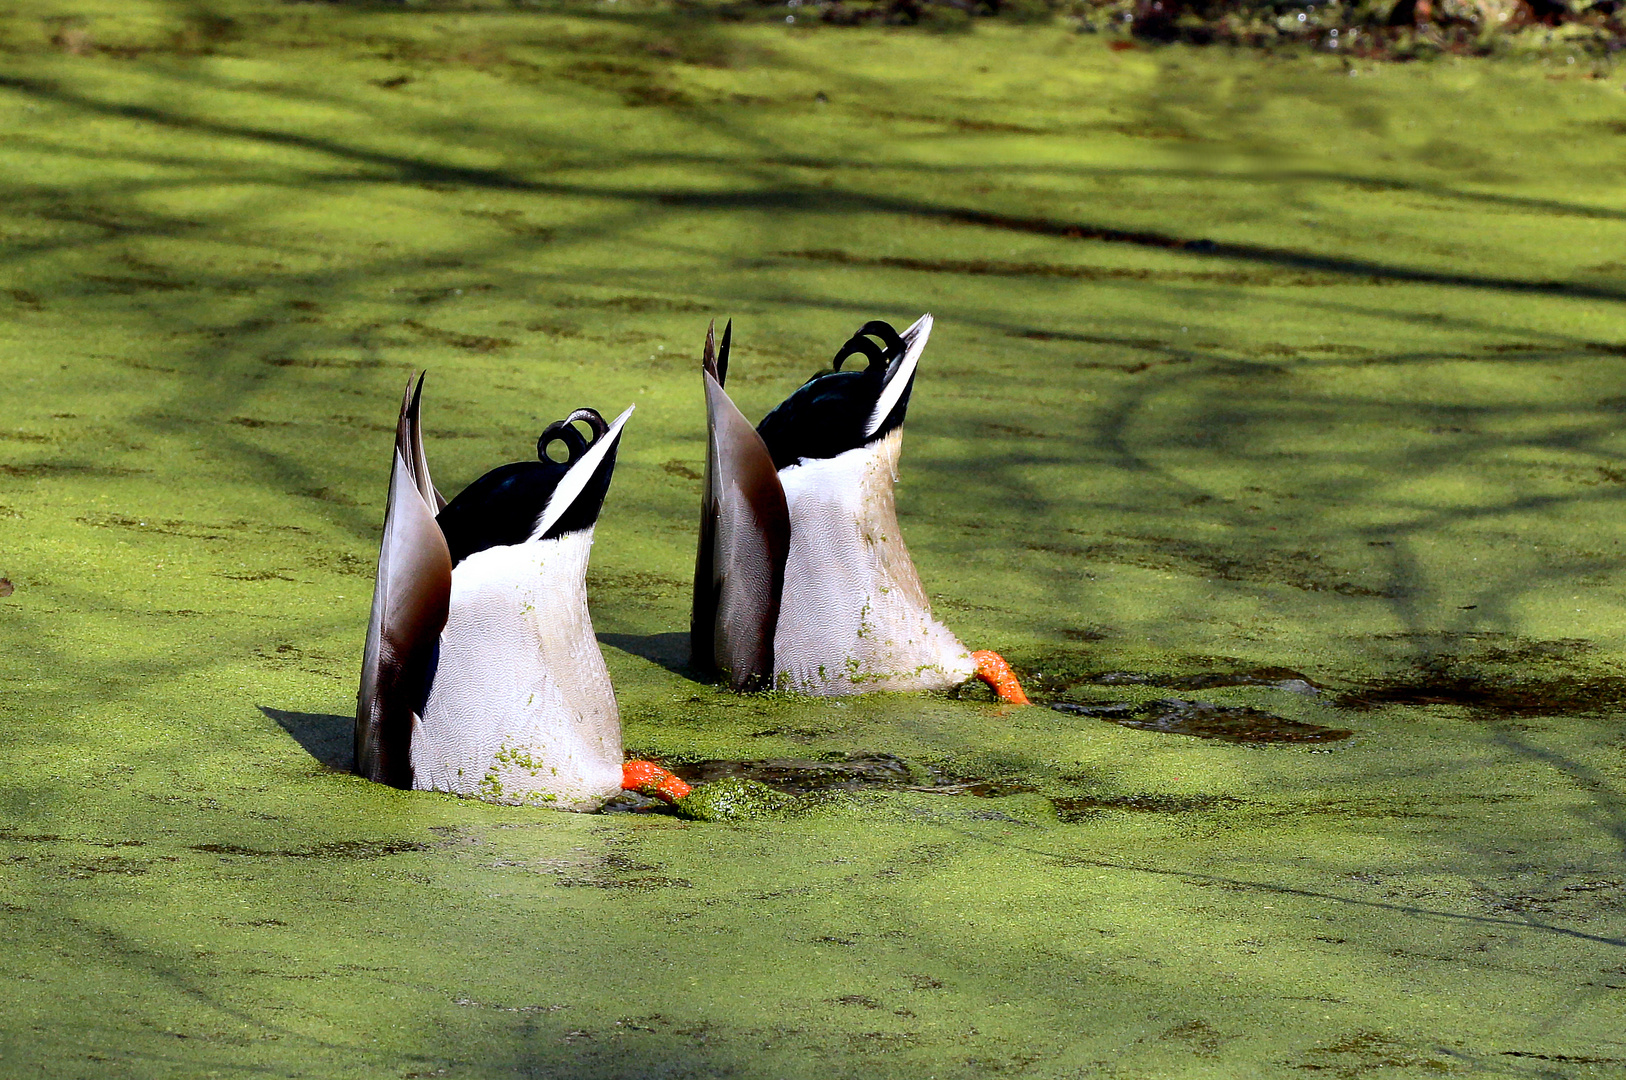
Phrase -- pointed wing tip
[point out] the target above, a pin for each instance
(714, 361)
(412, 398)
(417, 393)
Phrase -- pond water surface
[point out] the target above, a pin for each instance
(1268, 394)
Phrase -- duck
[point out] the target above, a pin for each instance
(481, 674)
(803, 582)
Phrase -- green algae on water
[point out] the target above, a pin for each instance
(1272, 366)
(733, 799)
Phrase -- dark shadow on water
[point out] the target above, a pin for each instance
(853, 772)
(1279, 678)
(849, 772)
(669, 650)
(1234, 723)
(328, 738)
(1493, 697)
(794, 197)
(1086, 807)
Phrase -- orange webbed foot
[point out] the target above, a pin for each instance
(648, 778)
(993, 670)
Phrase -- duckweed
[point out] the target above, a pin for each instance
(733, 799)
(1242, 365)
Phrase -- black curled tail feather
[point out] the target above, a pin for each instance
(848, 407)
(504, 506)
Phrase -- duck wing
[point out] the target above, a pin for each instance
(410, 601)
(739, 571)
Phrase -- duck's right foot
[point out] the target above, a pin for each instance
(993, 670)
(648, 778)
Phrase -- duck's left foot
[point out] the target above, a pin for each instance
(993, 670)
(648, 778)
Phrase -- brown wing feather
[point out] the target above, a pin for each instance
(703, 612)
(744, 538)
(410, 600)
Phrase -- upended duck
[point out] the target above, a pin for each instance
(802, 580)
(482, 675)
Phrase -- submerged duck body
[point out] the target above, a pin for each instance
(482, 675)
(803, 581)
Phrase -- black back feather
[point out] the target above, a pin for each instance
(828, 415)
(504, 505)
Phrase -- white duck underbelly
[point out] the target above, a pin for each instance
(854, 616)
(520, 709)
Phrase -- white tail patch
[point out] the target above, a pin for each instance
(521, 710)
(575, 481)
(899, 378)
(854, 616)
